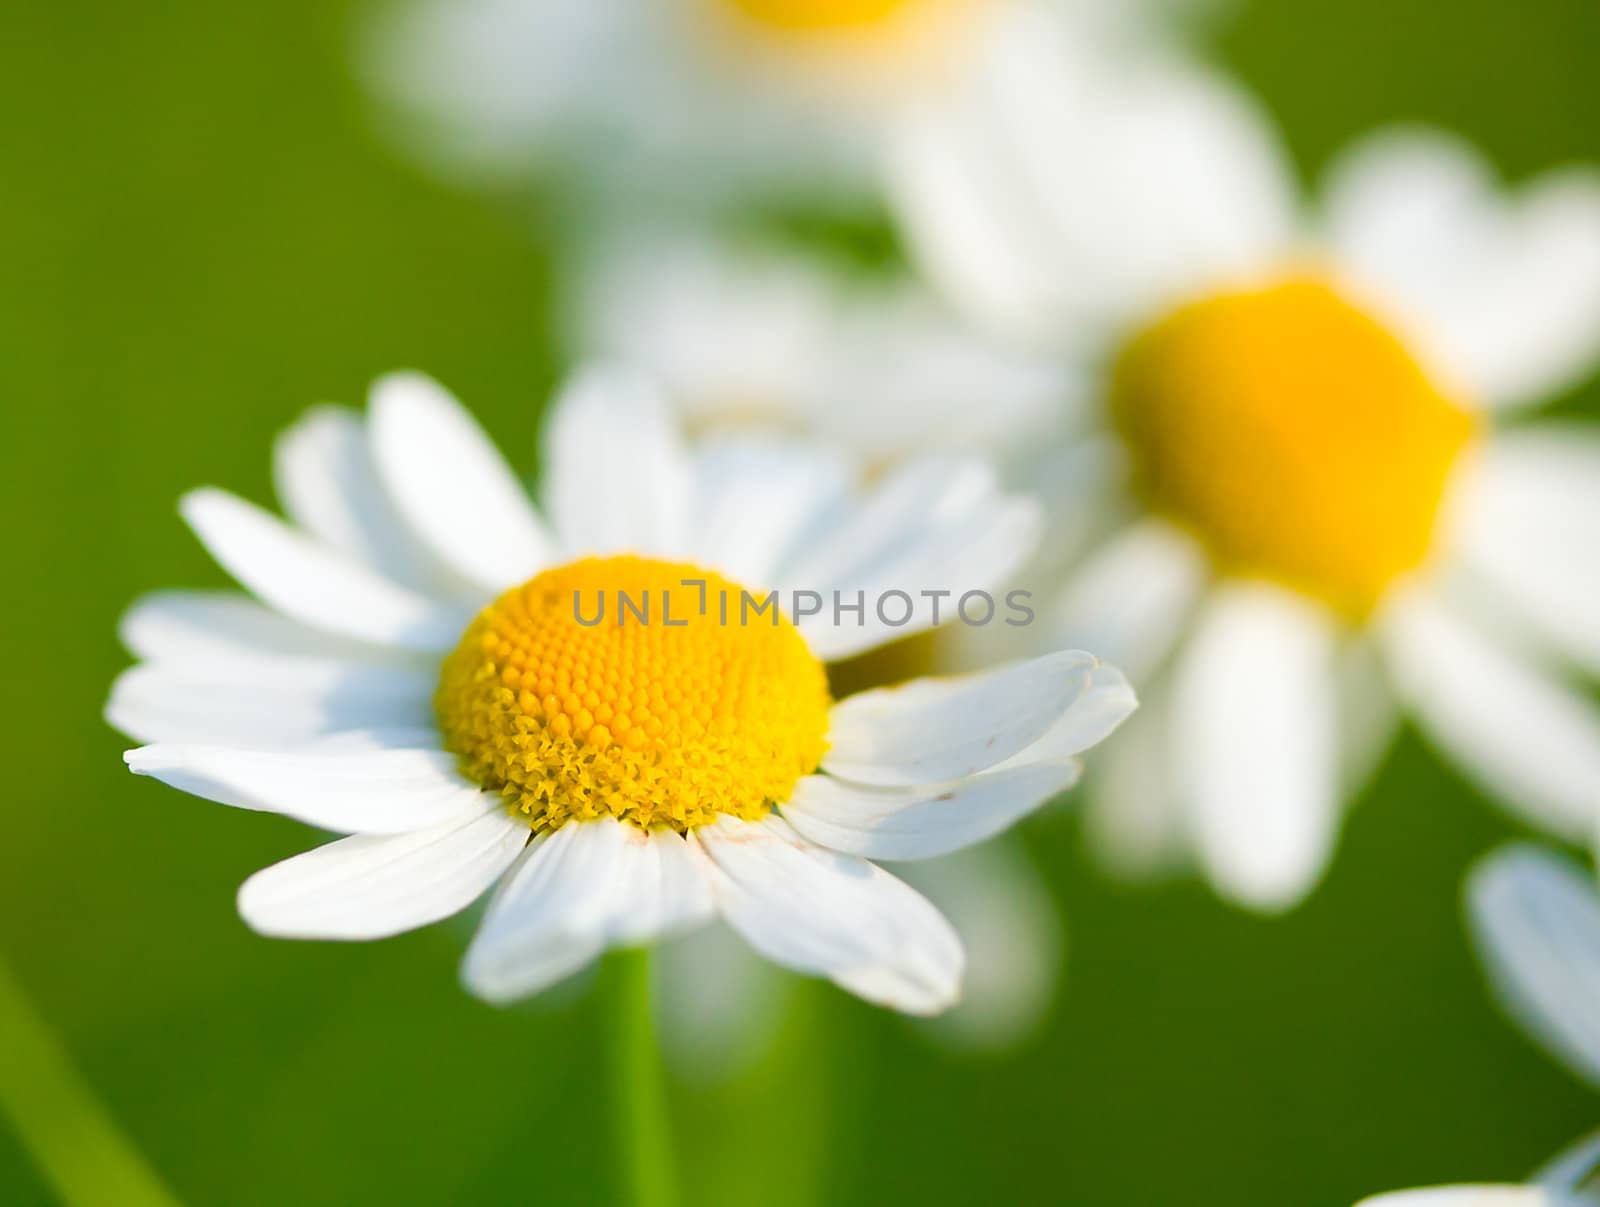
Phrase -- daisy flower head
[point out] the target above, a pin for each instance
(746, 338)
(753, 341)
(699, 101)
(1312, 497)
(1535, 917)
(601, 706)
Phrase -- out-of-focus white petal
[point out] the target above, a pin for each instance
(935, 530)
(1532, 740)
(755, 498)
(1129, 600)
(351, 792)
(1536, 917)
(617, 478)
(373, 886)
(1063, 184)
(577, 891)
(281, 702)
(923, 822)
(329, 486)
(826, 914)
(1505, 289)
(719, 1004)
(934, 730)
(1466, 1196)
(312, 583)
(1255, 742)
(212, 629)
(1571, 1169)
(452, 485)
(999, 904)
(1134, 816)
(1369, 714)
(1528, 520)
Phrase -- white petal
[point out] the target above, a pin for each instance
(731, 334)
(1000, 905)
(1105, 704)
(934, 730)
(586, 887)
(937, 529)
(1507, 287)
(351, 792)
(279, 703)
(1130, 599)
(755, 499)
(720, 1006)
(1134, 816)
(1531, 739)
(329, 486)
(922, 822)
(827, 914)
(1571, 1169)
(312, 583)
(373, 886)
(617, 478)
(1254, 729)
(452, 485)
(1531, 502)
(1536, 917)
(217, 628)
(1189, 185)
(1465, 1196)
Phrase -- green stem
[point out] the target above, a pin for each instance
(78, 1147)
(640, 1088)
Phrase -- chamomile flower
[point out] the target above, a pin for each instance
(1310, 495)
(746, 338)
(428, 666)
(752, 341)
(1536, 918)
(680, 99)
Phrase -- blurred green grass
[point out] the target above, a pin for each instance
(201, 235)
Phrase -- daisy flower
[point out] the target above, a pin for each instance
(689, 99)
(428, 667)
(742, 337)
(1311, 498)
(1536, 919)
(751, 340)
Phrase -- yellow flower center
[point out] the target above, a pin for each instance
(821, 16)
(615, 686)
(1294, 435)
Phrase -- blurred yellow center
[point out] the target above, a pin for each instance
(611, 686)
(820, 15)
(1294, 435)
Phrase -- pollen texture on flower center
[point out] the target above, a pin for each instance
(616, 687)
(1294, 435)
(820, 15)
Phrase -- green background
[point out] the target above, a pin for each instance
(200, 235)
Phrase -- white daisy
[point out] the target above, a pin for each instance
(749, 340)
(1536, 919)
(685, 99)
(743, 337)
(1309, 494)
(419, 673)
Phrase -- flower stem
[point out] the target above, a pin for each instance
(74, 1140)
(640, 1088)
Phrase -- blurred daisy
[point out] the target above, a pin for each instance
(1536, 919)
(743, 338)
(428, 670)
(684, 98)
(1305, 489)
